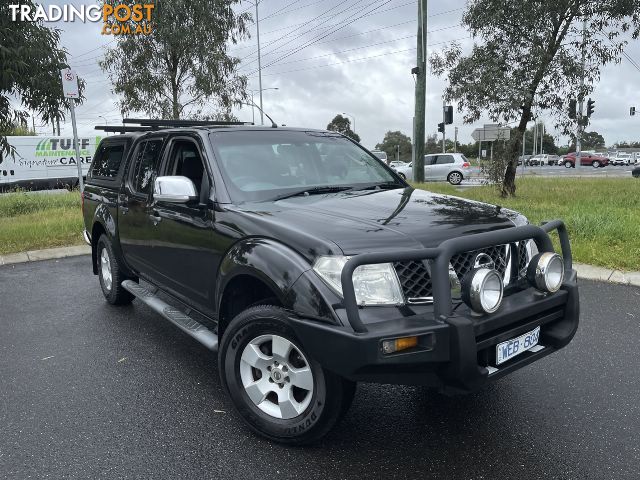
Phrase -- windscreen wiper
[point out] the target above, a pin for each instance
(380, 185)
(313, 191)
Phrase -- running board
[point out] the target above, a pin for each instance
(181, 320)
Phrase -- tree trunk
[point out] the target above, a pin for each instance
(175, 106)
(509, 183)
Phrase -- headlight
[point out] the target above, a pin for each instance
(546, 272)
(373, 284)
(482, 290)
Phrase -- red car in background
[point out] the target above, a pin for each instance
(594, 160)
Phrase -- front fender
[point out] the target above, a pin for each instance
(279, 267)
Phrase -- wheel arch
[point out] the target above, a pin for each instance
(256, 270)
(105, 224)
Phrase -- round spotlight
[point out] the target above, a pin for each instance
(482, 290)
(546, 272)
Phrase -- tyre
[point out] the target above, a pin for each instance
(110, 274)
(278, 390)
(568, 164)
(595, 164)
(454, 178)
(402, 175)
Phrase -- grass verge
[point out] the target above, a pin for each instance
(602, 215)
(31, 221)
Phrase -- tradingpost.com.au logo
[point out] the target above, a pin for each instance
(118, 17)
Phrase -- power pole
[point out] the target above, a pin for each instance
(581, 101)
(455, 140)
(541, 137)
(444, 125)
(420, 92)
(259, 63)
(535, 138)
(398, 153)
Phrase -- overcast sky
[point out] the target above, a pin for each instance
(355, 56)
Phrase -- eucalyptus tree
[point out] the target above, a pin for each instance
(183, 66)
(527, 58)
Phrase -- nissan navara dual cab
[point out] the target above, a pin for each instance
(309, 265)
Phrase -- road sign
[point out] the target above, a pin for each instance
(70, 90)
(491, 132)
(69, 83)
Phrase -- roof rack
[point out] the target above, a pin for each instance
(151, 124)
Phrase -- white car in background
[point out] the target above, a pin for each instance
(380, 154)
(452, 167)
(397, 164)
(622, 158)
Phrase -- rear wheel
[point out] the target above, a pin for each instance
(454, 178)
(110, 274)
(277, 388)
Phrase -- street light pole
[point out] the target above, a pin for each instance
(105, 122)
(259, 62)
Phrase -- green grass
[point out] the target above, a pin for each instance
(602, 215)
(31, 221)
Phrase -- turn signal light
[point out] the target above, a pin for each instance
(399, 344)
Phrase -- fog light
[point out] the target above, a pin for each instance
(482, 290)
(398, 344)
(546, 272)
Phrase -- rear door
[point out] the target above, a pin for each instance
(134, 224)
(443, 166)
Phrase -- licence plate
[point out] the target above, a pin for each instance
(514, 347)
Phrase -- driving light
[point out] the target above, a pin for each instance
(546, 272)
(374, 284)
(482, 290)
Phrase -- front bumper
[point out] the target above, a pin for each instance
(456, 350)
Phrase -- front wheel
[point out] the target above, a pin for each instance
(596, 164)
(568, 164)
(402, 175)
(277, 388)
(454, 178)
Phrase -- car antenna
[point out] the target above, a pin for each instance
(252, 104)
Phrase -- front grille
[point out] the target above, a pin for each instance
(416, 281)
(523, 262)
(463, 262)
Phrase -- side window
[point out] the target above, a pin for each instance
(107, 160)
(146, 162)
(430, 160)
(442, 159)
(185, 160)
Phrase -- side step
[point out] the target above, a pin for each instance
(184, 322)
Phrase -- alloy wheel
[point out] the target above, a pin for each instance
(105, 269)
(276, 376)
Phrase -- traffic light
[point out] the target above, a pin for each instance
(441, 127)
(448, 114)
(572, 108)
(632, 111)
(590, 107)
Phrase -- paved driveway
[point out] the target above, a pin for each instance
(92, 391)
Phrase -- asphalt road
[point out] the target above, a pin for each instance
(92, 391)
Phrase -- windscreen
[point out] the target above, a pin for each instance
(263, 165)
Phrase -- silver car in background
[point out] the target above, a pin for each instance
(380, 154)
(452, 167)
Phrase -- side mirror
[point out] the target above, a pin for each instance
(174, 189)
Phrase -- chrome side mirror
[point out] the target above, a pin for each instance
(175, 189)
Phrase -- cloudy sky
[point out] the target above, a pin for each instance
(355, 56)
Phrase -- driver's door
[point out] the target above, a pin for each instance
(186, 253)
